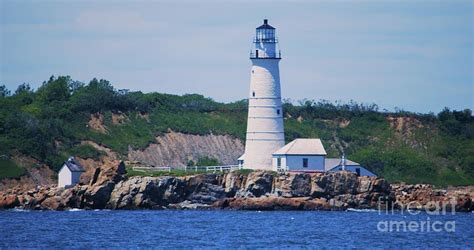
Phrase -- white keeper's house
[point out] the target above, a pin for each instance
(300, 155)
(265, 147)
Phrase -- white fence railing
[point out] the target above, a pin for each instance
(143, 169)
(191, 168)
(212, 168)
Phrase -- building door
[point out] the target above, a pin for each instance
(358, 171)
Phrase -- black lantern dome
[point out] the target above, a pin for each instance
(265, 33)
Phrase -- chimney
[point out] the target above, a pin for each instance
(265, 21)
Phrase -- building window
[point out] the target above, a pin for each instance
(358, 171)
(305, 162)
(278, 162)
(278, 111)
(253, 94)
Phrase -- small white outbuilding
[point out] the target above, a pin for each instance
(336, 164)
(300, 155)
(70, 173)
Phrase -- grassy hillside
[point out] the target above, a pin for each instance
(9, 169)
(50, 122)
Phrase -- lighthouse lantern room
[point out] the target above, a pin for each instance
(265, 42)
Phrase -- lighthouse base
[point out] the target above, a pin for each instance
(258, 154)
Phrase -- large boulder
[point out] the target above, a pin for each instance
(332, 184)
(301, 185)
(292, 185)
(98, 193)
(52, 203)
(97, 197)
(233, 182)
(258, 183)
(364, 184)
(71, 197)
(132, 193)
(8, 201)
(174, 190)
(381, 185)
(147, 192)
(111, 171)
(207, 194)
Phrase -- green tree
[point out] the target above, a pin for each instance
(4, 91)
(54, 90)
(98, 95)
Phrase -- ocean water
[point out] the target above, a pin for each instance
(230, 229)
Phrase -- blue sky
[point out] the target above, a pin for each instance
(415, 55)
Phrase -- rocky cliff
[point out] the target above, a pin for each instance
(109, 188)
(424, 196)
(176, 149)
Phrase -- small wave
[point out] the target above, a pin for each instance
(19, 210)
(361, 210)
(75, 210)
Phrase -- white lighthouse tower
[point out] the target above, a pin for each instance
(265, 133)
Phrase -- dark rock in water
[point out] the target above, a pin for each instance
(97, 197)
(259, 190)
(52, 203)
(71, 197)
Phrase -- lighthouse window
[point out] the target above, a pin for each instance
(278, 111)
(305, 162)
(252, 71)
(253, 94)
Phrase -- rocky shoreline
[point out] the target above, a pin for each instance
(110, 188)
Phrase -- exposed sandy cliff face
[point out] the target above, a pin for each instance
(176, 149)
